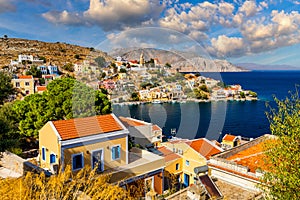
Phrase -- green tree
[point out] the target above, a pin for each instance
(282, 179)
(253, 94)
(100, 61)
(122, 70)
(6, 87)
(69, 67)
(242, 95)
(203, 88)
(168, 65)
(135, 96)
(65, 98)
(9, 132)
(34, 71)
(77, 56)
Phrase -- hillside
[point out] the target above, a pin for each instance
(56, 53)
(184, 60)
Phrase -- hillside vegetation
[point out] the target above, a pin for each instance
(57, 53)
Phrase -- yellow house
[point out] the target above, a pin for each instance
(24, 83)
(102, 143)
(230, 141)
(194, 154)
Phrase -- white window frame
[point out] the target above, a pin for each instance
(102, 160)
(118, 145)
(152, 182)
(82, 160)
(17, 84)
(45, 153)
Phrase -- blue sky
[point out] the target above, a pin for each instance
(262, 31)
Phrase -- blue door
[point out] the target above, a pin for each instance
(186, 180)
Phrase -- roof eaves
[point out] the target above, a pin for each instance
(55, 130)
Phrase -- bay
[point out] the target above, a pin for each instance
(214, 119)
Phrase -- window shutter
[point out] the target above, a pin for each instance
(43, 153)
(113, 153)
(119, 151)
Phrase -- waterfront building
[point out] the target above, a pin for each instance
(230, 141)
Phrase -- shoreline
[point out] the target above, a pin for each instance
(183, 101)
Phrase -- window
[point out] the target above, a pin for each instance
(187, 163)
(27, 92)
(52, 158)
(77, 161)
(44, 153)
(97, 160)
(116, 152)
(177, 166)
(17, 84)
(26, 83)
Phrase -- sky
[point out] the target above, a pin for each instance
(264, 32)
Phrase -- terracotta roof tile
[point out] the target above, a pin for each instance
(168, 154)
(252, 157)
(25, 77)
(228, 137)
(156, 128)
(41, 88)
(204, 147)
(81, 127)
(131, 122)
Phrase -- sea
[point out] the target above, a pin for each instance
(215, 119)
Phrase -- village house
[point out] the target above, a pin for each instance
(40, 89)
(230, 141)
(195, 154)
(242, 165)
(24, 83)
(143, 133)
(100, 142)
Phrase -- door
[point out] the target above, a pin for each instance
(97, 160)
(186, 180)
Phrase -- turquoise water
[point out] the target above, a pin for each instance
(214, 119)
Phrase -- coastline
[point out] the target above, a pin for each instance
(184, 101)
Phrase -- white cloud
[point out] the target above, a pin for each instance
(226, 8)
(111, 14)
(63, 17)
(249, 8)
(227, 46)
(6, 6)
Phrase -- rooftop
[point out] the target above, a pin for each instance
(168, 154)
(25, 77)
(81, 127)
(229, 137)
(205, 147)
(132, 122)
(41, 88)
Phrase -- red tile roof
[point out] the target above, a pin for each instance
(41, 88)
(168, 154)
(228, 137)
(156, 128)
(131, 122)
(81, 127)
(25, 77)
(252, 157)
(204, 147)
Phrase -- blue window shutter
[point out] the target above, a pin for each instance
(113, 153)
(52, 158)
(119, 151)
(43, 153)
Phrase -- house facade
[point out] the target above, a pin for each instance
(100, 142)
(24, 83)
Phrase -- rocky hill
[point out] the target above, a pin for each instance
(57, 53)
(184, 60)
